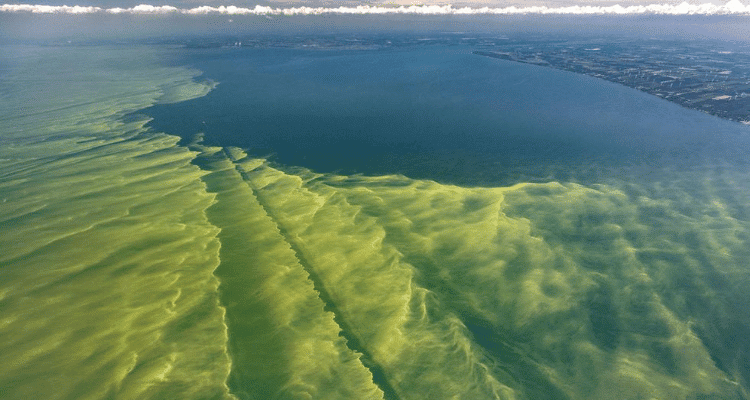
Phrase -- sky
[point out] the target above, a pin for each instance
(496, 6)
(77, 19)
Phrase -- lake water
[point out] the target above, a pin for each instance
(405, 222)
(426, 111)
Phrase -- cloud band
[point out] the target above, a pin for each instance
(733, 7)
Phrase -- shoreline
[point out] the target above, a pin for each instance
(728, 99)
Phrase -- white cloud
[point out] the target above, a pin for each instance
(37, 8)
(732, 7)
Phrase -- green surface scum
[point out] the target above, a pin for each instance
(107, 264)
(137, 268)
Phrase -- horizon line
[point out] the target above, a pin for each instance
(733, 7)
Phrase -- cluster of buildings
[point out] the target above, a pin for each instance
(711, 79)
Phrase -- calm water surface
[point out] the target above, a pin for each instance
(436, 112)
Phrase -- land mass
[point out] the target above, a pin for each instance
(712, 80)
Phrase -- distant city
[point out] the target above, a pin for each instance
(712, 80)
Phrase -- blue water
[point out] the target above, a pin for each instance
(438, 112)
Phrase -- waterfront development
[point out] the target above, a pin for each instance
(703, 75)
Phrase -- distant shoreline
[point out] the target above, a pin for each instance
(728, 99)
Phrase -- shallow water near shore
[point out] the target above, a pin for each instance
(411, 223)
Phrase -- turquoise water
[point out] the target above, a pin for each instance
(410, 223)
